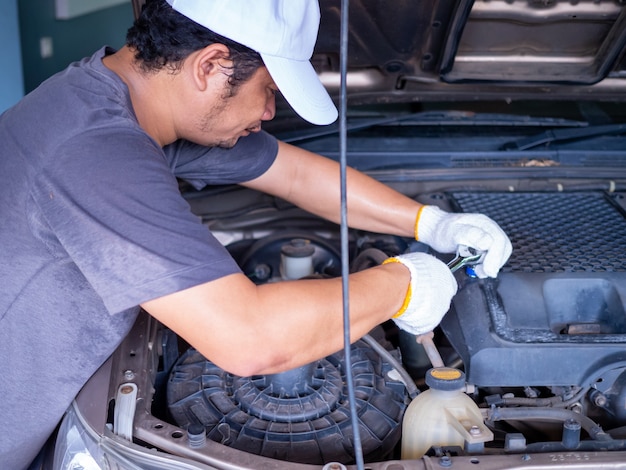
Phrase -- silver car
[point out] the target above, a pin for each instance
(512, 108)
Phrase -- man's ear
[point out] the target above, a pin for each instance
(209, 63)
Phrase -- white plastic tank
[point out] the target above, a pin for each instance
(443, 415)
(296, 259)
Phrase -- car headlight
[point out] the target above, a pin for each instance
(80, 447)
(77, 445)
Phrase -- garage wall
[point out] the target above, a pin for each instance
(11, 85)
(65, 41)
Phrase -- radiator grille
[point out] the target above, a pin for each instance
(556, 232)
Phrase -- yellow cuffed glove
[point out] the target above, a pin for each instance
(429, 294)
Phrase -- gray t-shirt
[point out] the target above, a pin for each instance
(93, 224)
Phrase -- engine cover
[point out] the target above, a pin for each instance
(556, 314)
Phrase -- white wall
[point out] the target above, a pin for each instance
(11, 80)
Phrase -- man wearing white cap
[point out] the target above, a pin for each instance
(94, 225)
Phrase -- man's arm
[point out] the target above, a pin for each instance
(311, 182)
(249, 329)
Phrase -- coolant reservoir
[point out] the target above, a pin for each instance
(443, 415)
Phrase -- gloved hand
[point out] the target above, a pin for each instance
(429, 294)
(445, 231)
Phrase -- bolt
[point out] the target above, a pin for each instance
(334, 466)
(600, 400)
(445, 461)
(262, 272)
(577, 408)
(525, 457)
(475, 431)
(129, 375)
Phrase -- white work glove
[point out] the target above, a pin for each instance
(445, 231)
(429, 294)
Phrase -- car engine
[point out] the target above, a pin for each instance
(541, 348)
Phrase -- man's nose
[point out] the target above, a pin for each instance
(270, 109)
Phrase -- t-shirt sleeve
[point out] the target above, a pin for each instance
(115, 207)
(201, 166)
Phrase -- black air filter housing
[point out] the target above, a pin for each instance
(300, 416)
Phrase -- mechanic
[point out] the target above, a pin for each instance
(94, 226)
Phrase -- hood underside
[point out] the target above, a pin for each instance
(465, 49)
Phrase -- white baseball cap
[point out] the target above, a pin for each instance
(283, 32)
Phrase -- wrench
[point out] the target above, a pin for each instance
(466, 256)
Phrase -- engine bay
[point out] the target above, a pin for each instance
(541, 347)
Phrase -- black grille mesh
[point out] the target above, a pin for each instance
(555, 232)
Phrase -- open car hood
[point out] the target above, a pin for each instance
(409, 50)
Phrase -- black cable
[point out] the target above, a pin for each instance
(345, 253)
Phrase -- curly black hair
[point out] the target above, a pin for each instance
(161, 37)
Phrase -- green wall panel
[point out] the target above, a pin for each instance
(72, 39)
(11, 82)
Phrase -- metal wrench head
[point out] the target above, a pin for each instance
(466, 256)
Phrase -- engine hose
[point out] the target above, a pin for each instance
(409, 383)
(556, 402)
(368, 258)
(534, 402)
(549, 414)
(584, 446)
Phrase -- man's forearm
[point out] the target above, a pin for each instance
(313, 183)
